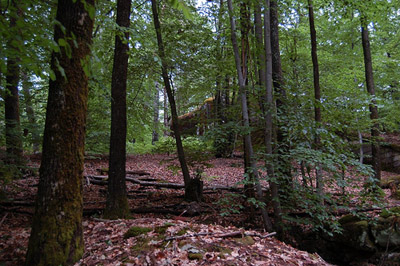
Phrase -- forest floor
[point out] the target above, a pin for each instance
(180, 233)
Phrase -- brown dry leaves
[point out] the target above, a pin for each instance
(106, 246)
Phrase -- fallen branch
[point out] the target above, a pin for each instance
(4, 217)
(128, 172)
(101, 180)
(219, 235)
(92, 211)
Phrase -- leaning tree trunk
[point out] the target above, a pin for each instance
(317, 94)
(117, 201)
(57, 233)
(11, 98)
(369, 77)
(193, 186)
(245, 114)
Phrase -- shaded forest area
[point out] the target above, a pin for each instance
(183, 133)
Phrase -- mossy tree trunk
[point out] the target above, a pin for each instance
(11, 98)
(57, 237)
(117, 201)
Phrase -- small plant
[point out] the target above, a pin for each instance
(230, 204)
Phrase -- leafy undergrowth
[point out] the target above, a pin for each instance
(205, 239)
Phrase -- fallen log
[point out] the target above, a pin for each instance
(92, 211)
(128, 172)
(101, 180)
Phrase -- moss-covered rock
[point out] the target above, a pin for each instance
(195, 256)
(349, 218)
(136, 231)
(355, 234)
(247, 240)
(194, 253)
(387, 182)
(387, 231)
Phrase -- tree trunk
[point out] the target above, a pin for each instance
(156, 106)
(317, 94)
(268, 118)
(369, 77)
(282, 146)
(117, 201)
(11, 98)
(192, 186)
(57, 235)
(166, 122)
(30, 113)
(245, 114)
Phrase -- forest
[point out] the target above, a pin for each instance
(185, 132)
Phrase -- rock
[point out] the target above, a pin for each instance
(387, 232)
(194, 253)
(247, 240)
(356, 234)
(195, 256)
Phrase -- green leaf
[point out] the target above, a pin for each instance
(62, 42)
(52, 75)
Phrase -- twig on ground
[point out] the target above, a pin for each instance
(219, 235)
(3, 219)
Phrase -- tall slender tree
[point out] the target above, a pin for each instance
(193, 186)
(268, 110)
(30, 112)
(245, 116)
(373, 108)
(165, 108)
(282, 147)
(57, 233)
(117, 201)
(156, 107)
(11, 97)
(317, 92)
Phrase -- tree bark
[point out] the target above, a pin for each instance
(166, 122)
(245, 116)
(373, 108)
(30, 113)
(117, 201)
(317, 94)
(269, 120)
(282, 145)
(156, 107)
(11, 97)
(57, 234)
(192, 185)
